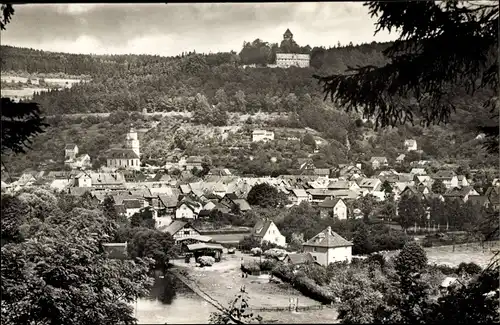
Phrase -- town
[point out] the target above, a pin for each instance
(229, 188)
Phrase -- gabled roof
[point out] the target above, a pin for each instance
(327, 238)
(299, 192)
(169, 201)
(118, 153)
(70, 146)
(444, 174)
(329, 203)
(379, 159)
(459, 192)
(132, 204)
(175, 226)
(300, 258)
(337, 185)
(243, 204)
(368, 182)
(261, 227)
(320, 191)
(231, 196)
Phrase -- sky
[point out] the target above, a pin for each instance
(170, 29)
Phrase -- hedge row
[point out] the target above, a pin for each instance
(305, 285)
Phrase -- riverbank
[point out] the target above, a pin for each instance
(222, 282)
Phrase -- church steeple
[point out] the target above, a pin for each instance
(288, 35)
(133, 141)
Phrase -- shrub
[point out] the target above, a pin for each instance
(275, 253)
(309, 288)
(469, 268)
(267, 265)
(316, 272)
(376, 258)
(283, 272)
(248, 242)
(250, 268)
(206, 261)
(256, 251)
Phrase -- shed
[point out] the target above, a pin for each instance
(206, 249)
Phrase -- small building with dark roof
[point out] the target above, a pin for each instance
(180, 229)
(266, 230)
(329, 247)
(299, 258)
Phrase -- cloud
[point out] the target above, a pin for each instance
(168, 29)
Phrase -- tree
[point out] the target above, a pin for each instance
(473, 303)
(411, 211)
(386, 187)
(109, 208)
(239, 312)
(20, 122)
(308, 140)
(265, 196)
(466, 38)
(143, 218)
(438, 187)
(59, 263)
(362, 240)
(367, 205)
(153, 244)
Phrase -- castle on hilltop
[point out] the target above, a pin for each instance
(286, 60)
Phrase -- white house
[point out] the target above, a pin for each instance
(378, 162)
(299, 195)
(70, 151)
(329, 247)
(266, 230)
(286, 60)
(262, 135)
(83, 180)
(132, 207)
(334, 208)
(187, 210)
(369, 184)
(411, 145)
(448, 177)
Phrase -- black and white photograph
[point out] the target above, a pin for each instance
(250, 163)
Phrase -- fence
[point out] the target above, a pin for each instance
(293, 307)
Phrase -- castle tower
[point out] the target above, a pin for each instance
(133, 141)
(288, 36)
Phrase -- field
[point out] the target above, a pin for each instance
(223, 281)
(25, 92)
(472, 252)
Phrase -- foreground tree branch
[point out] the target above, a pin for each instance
(444, 49)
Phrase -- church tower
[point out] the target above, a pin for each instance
(133, 142)
(288, 36)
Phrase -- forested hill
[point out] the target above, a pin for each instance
(134, 82)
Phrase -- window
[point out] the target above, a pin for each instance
(186, 232)
(314, 249)
(315, 258)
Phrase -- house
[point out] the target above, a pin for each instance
(345, 195)
(26, 179)
(132, 206)
(343, 185)
(480, 200)
(400, 159)
(298, 195)
(329, 247)
(325, 172)
(266, 230)
(193, 162)
(107, 180)
(461, 193)
(411, 191)
(378, 162)
(243, 205)
(80, 162)
(82, 180)
(448, 177)
(70, 151)
(333, 208)
(187, 210)
(262, 135)
(418, 171)
(319, 194)
(425, 180)
(180, 229)
(410, 145)
(369, 184)
(299, 259)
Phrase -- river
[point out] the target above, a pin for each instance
(172, 302)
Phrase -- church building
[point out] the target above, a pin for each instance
(128, 157)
